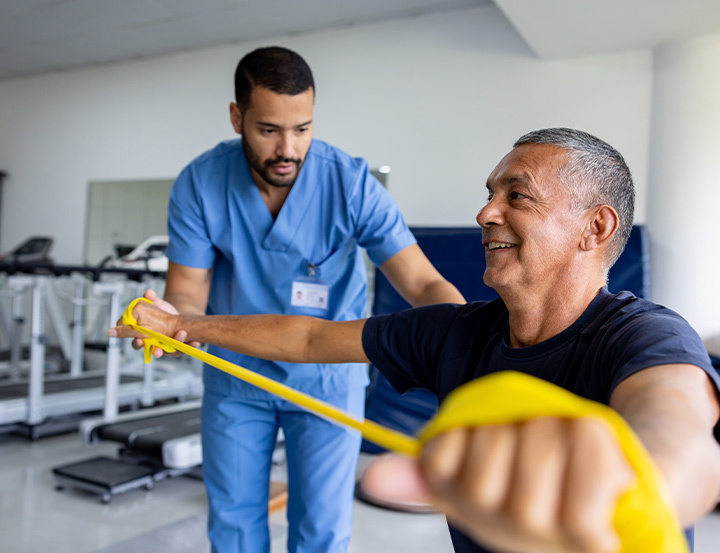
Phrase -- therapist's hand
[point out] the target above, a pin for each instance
(161, 317)
(547, 485)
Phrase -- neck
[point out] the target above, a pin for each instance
(273, 196)
(534, 318)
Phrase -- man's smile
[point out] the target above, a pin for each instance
(492, 246)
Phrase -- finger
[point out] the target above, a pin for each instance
(122, 331)
(395, 479)
(488, 468)
(538, 477)
(150, 294)
(597, 475)
(440, 461)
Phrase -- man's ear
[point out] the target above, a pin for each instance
(236, 117)
(602, 224)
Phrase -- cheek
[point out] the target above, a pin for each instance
(304, 146)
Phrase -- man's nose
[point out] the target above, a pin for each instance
(490, 214)
(286, 146)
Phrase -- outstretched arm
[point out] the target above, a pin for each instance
(551, 484)
(295, 339)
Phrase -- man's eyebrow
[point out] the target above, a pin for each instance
(274, 126)
(517, 178)
(522, 178)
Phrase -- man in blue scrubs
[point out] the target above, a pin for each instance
(273, 222)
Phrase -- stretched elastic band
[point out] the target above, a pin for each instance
(644, 518)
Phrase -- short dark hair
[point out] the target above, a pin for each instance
(275, 68)
(596, 174)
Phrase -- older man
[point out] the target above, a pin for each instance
(559, 211)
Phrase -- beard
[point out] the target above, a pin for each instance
(262, 167)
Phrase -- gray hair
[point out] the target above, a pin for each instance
(595, 174)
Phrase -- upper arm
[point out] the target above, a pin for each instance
(665, 388)
(417, 280)
(188, 288)
(335, 341)
(672, 409)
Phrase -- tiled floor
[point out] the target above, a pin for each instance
(35, 518)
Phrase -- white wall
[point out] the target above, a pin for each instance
(683, 205)
(440, 98)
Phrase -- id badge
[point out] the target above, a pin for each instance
(310, 291)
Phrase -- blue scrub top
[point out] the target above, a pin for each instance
(217, 218)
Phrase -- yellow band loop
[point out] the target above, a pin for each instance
(149, 344)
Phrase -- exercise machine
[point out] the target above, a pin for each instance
(44, 404)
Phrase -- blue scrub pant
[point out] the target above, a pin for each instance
(238, 438)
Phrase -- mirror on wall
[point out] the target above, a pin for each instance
(122, 214)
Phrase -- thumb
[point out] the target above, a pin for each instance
(394, 478)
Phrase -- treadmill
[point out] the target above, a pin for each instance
(44, 404)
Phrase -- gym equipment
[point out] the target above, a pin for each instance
(118, 477)
(33, 250)
(42, 404)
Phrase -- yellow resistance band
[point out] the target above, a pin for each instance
(384, 437)
(644, 518)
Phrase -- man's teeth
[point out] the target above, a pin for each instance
(498, 245)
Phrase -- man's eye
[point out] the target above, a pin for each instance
(268, 131)
(516, 195)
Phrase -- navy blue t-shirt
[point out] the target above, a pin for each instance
(441, 347)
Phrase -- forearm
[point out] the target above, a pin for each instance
(437, 291)
(417, 281)
(186, 303)
(187, 289)
(294, 339)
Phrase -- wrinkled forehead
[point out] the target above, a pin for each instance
(529, 163)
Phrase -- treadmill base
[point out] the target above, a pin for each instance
(104, 476)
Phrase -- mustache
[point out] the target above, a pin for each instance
(296, 161)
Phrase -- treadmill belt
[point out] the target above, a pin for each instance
(50, 386)
(149, 434)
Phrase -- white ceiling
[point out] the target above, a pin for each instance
(48, 35)
(557, 28)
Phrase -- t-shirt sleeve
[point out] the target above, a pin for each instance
(660, 337)
(382, 230)
(407, 346)
(190, 243)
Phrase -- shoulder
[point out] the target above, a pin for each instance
(221, 153)
(327, 153)
(440, 319)
(634, 333)
(335, 163)
(204, 174)
(624, 308)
